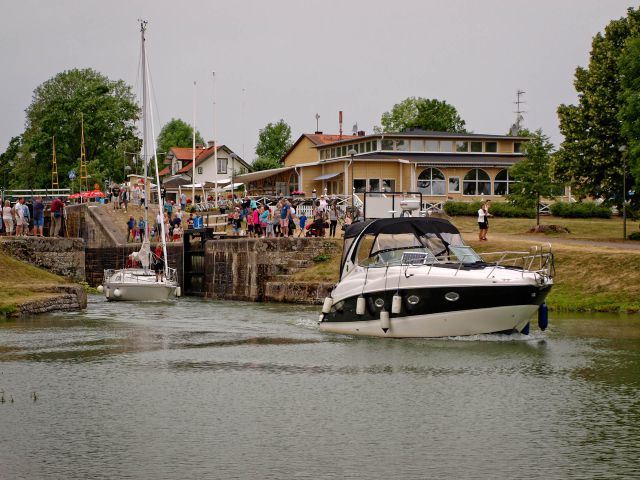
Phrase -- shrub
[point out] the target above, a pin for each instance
(498, 209)
(634, 236)
(580, 210)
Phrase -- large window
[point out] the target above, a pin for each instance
(446, 146)
(432, 145)
(431, 182)
(476, 182)
(222, 165)
(502, 183)
(491, 147)
(388, 185)
(517, 147)
(476, 147)
(454, 184)
(462, 146)
(360, 185)
(417, 145)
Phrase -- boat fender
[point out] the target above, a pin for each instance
(100, 289)
(396, 304)
(525, 330)
(117, 293)
(178, 292)
(385, 322)
(326, 306)
(360, 305)
(321, 318)
(543, 317)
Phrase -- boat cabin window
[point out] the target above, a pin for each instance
(463, 254)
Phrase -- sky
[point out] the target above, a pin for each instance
(293, 59)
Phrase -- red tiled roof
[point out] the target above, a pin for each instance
(320, 138)
(201, 155)
(164, 171)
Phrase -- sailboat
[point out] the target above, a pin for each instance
(141, 282)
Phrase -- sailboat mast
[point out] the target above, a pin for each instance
(145, 158)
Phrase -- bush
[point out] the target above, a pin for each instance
(580, 210)
(498, 209)
(634, 236)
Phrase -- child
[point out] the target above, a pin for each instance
(236, 223)
(303, 222)
(190, 221)
(177, 233)
(130, 226)
(270, 232)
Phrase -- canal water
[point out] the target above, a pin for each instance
(202, 389)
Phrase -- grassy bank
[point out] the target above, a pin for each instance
(589, 277)
(20, 283)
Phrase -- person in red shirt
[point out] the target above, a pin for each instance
(57, 210)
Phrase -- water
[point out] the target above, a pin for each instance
(201, 389)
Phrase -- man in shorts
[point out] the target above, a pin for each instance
(284, 218)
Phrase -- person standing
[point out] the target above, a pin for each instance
(482, 222)
(284, 218)
(303, 222)
(38, 217)
(7, 218)
(183, 201)
(333, 220)
(487, 206)
(57, 209)
(158, 263)
(18, 212)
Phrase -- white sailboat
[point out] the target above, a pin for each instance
(142, 283)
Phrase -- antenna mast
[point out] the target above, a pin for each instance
(54, 168)
(83, 175)
(519, 112)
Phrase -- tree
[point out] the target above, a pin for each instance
(424, 114)
(532, 177)
(589, 157)
(274, 141)
(629, 114)
(177, 133)
(109, 112)
(9, 159)
(265, 164)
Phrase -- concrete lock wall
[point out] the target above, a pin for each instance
(259, 269)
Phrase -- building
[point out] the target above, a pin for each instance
(442, 166)
(179, 166)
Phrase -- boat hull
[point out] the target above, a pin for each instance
(139, 292)
(443, 324)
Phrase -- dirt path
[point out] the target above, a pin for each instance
(540, 238)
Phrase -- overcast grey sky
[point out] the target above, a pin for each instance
(295, 58)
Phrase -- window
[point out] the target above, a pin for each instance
(502, 183)
(462, 146)
(417, 145)
(199, 170)
(446, 146)
(454, 184)
(388, 185)
(361, 147)
(476, 147)
(333, 153)
(517, 147)
(387, 144)
(343, 151)
(374, 184)
(431, 182)
(491, 147)
(359, 185)
(402, 145)
(476, 182)
(432, 145)
(222, 165)
(369, 146)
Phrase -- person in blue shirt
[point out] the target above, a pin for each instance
(284, 219)
(303, 222)
(130, 225)
(141, 227)
(197, 221)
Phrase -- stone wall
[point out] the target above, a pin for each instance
(62, 256)
(297, 292)
(62, 298)
(240, 269)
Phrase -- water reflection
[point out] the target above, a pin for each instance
(240, 390)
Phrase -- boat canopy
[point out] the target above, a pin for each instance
(431, 235)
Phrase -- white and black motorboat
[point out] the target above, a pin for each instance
(415, 277)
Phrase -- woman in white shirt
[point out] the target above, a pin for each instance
(7, 218)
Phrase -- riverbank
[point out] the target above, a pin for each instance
(594, 271)
(26, 290)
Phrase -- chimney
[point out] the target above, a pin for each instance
(317, 132)
(340, 122)
(361, 133)
(210, 143)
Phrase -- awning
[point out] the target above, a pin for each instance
(235, 187)
(255, 176)
(327, 176)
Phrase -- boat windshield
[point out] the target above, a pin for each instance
(406, 248)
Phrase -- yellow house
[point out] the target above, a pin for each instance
(441, 166)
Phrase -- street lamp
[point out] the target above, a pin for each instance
(622, 149)
(352, 152)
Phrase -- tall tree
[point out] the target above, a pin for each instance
(177, 133)
(274, 140)
(532, 175)
(422, 113)
(589, 157)
(109, 111)
(9, 160)
(629, 113)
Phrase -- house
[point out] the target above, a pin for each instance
(179, 166)
(440, 165)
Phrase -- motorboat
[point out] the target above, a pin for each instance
(146, 277)
(415, 277)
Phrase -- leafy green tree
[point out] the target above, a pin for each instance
(274, 140)
(265, 164)
(424, 114)
(9, 160)
(177, 133)
(629, 113)
(109, 112)
(589, 157)
(532, 175)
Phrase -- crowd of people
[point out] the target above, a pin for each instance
(24, 219)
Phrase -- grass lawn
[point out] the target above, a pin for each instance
(21, 282)
(588, 277)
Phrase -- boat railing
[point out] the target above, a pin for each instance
(171, 274)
